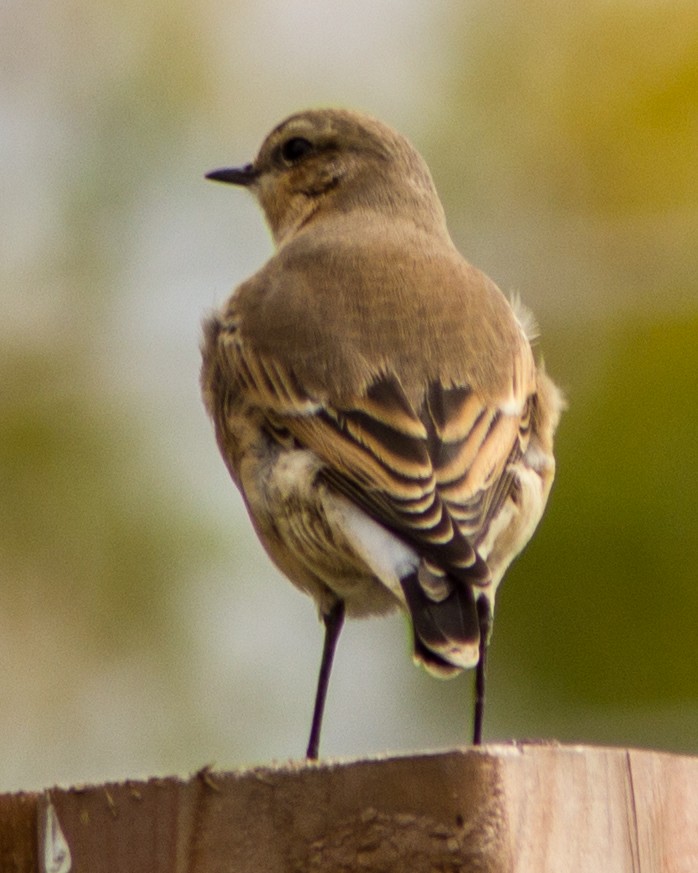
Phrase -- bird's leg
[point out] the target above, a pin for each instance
(333, 620)
(484, 617)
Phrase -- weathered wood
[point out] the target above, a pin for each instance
(520, 808)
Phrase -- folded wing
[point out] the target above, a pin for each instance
(434, 476)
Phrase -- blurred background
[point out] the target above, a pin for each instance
(142, 629)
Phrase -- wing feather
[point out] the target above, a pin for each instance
(434, 476)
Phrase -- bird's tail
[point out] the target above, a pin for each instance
(444, 619)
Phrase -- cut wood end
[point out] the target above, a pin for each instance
(503, 807)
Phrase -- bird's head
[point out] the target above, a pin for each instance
(330, 159)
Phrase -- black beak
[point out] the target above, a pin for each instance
(244, 176)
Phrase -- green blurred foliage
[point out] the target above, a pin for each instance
(612, 581)
(92, 531)
(567, 147)
(132, 108)
(592, 107)
(91, 535)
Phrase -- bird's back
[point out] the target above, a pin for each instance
(355, 298)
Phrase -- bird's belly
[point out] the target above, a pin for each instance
(292, 510)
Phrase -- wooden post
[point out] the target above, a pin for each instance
(519, 808)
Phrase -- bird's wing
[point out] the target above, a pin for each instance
(435, 477)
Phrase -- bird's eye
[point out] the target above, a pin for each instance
(295, 148)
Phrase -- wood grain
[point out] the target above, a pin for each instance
(518, 808)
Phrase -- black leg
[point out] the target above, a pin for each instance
(484, 618)
(333, 626)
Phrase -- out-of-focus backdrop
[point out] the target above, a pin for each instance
(142, 629)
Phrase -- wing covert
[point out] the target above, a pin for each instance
(432, 476)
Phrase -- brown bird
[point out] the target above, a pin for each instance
(375, 397)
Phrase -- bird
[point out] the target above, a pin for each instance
(376, 398)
